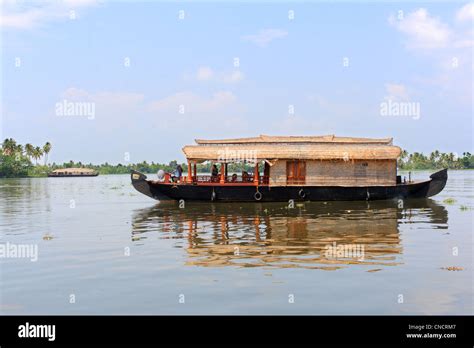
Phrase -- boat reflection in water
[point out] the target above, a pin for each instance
(314, 235)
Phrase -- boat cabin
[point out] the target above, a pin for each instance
(73, 172)
(295, 161)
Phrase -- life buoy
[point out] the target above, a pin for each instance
(258, 196)
(301, 193)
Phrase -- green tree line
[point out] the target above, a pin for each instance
(17, 160)
(435, 160)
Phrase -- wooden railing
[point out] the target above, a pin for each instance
(235, 179)
(207, 179)
(230, 179)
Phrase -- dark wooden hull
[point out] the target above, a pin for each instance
(232, 193)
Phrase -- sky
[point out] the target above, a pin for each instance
(119, 81)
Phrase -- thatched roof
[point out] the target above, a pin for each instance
(329, 139)
(74, 171)
(305, 148)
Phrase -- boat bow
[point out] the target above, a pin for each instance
(140, 183)
(147, 187)
(438, 182)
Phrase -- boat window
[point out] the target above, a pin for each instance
(295, 172)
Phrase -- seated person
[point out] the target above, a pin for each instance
(234, 177)
(177, 174)
(214, 173)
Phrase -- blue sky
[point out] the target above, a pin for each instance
(182, 82)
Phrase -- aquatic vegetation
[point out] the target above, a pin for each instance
(449, 201)
(47, 236)
(452, 268)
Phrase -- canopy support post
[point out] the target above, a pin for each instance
(190, 173)
(222, 173)
(255, 174)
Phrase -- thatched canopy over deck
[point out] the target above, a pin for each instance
(292, 148)
(321, 139)
(73, 171)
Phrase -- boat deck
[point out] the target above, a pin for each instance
(211, 180)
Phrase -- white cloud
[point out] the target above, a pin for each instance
(204, 73)
(443, 43)
(118, 99)
(190, 113)
(105, 98)
(464, 42)
(76, 94)
(24, 20)
(396, 92)
(447, 48)
(319, 100)
(234, 76)
(430, 35)
(79, 3)
(19, 15)
(466, 13)
(193, 103)
(422, 30)
(265, 36)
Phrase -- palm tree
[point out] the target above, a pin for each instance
(18, 149)
(29, 149)
(9, 146)
(46, 149)
(37, 154)
(403, 155)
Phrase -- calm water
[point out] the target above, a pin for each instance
(109, 249)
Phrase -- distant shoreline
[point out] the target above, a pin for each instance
(400, 170)
(16, 161)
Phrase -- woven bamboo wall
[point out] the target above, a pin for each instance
(278, 174)
(341, 173)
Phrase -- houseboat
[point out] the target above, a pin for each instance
(73, 172)
(300, 168)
